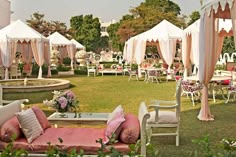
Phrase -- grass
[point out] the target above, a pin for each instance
(103, 94)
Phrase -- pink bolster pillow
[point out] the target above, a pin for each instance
(9, 128)
(130, 129)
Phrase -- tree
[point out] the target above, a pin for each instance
(147, 15)
(86, 31)
(194, 17)
(228, 46)
(46, 28)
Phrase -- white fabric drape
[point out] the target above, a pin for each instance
(8, 51)
(210, 47)
(140, 53)
(71, 53)
(233, 18)
(38, 51)
(168, 49)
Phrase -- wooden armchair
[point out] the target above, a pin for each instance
(163, 116)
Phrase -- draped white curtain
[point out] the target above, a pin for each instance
(210, 48)
(8, 51)
(38, 51)
(233, 18)
(168, 50)
(140, 53)
(195, 51)
(71, 54)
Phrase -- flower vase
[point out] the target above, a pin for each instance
(62, 114)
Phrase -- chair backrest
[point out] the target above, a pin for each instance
(178, 94)
(13, 69)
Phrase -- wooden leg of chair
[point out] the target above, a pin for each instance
(177, 137)
(213, 94)
(192, 99)
(228, 96)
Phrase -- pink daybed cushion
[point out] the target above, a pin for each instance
(79, 138)
(9, 128)
(40, 115)
(130, 129)
(20, 143)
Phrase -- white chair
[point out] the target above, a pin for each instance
(14, 72)
(2, 72)
(166, 115)
(126, 69)
(91, 70)
(231, 89)
(192, 89)
(133, 73)
(152, 74)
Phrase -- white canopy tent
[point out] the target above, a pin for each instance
(77, 44)
(190, 43)
(164, 35)
(211, 44)
(17, 35)
(65, 46)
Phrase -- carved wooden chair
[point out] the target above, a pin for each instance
(165, 114)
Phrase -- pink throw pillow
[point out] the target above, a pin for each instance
(113, 126)
(40, 115)
(117, 112)
(9, 128)
(130, 129)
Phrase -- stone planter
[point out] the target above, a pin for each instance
(71, 72)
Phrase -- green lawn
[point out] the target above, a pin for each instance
(103, 94)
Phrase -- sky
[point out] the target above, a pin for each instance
(63, 10)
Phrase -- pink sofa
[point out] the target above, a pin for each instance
(78, 138)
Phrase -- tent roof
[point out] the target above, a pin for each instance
(20, 31)
(223, 25)
(77, 44)
(207, 5)
(58, 39)
(162, 31)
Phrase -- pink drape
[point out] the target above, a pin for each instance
(38, 51)
(159, 51)
(71, 53)
(26, 51)
(47, 57)
(186, 51)
(233, 18)
(212, 46)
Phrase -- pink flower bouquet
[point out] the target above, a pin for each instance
(63, 101)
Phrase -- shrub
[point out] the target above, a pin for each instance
(134, 66)
(82, 70)
(62, 67)
(66, 61)
(54, 71)
(35, 69)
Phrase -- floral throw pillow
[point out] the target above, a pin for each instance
(29, 124)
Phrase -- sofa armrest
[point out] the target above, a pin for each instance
(10, 109)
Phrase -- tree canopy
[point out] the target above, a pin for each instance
(144, 17)
(45, 27)
(194, 17)
(86, 30)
